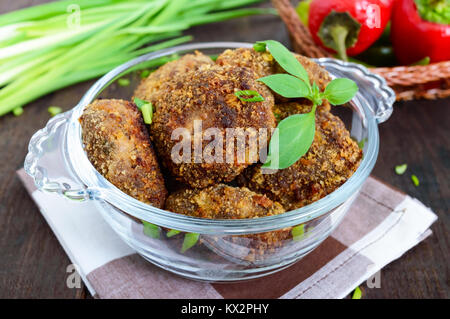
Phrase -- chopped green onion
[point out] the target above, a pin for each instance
(151, 230)
(298, 232)
(139, 103)
(18, 111)
(362, 143)
(249, 96)
(53, 110)
(214, 57)
(123, 82)
(357, 294)
(145, 73)
(259, 47)
(401, 169)
(147, 113)
(190, 239)
(415, 180)
(172, 233)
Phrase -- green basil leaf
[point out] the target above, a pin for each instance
(190, 239)
(340, 91)
(291, 140)
(287, 60)
(286, 85)
(150, 230)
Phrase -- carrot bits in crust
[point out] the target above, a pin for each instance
(117, 143)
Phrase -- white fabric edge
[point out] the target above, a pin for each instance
(77, 225)
(410, 221)
(409, 224)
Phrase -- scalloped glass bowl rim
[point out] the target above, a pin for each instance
(119, 199)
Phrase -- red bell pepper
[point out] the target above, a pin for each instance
(348, 26)
(414, 38)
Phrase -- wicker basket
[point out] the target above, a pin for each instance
(409, 82)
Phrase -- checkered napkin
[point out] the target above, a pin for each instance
(381, 226)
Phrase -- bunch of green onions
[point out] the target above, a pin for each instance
(51, 46)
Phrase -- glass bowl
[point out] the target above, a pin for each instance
(222, 250)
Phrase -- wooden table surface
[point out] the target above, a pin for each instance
(33, 264)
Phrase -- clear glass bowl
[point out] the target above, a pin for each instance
(227, 250)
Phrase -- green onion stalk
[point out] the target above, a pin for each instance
(51, 46)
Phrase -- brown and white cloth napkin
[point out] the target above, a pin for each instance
(382, 224)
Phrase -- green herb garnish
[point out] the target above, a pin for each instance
(172, 233)
(340, 91)
(298, 232)
(147, 113)
(357, 294)
(362, 143)
(190, 239)
(259, 47)
(123, 82)
(146, 109)
(139, 102)
(286, 85)
(401, 169)
(294, 135)
(249, 96)
(415, 180)
(151, 230)
(145, 73)
(18, 111)
(54, 110)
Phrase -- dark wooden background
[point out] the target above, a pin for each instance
(33, 264)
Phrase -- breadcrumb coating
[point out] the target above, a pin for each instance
(117, 143)
(221, 201)
(225, 202)
(208, 95)
(149, 87)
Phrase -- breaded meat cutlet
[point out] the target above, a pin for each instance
(221, 201)
(117, 143)
(263, 64)
(333, 157)
(149, 87)
(207, 96)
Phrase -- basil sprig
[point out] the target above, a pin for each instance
(294, 135)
